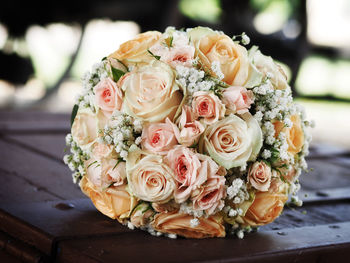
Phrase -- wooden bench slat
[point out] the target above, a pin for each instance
(49, 145)
(14, 189)
(41, 224)
(33, 122)
(325, 195)
(40, 171)
(20, 250)
(296, 244)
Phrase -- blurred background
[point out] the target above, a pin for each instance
(46, 46)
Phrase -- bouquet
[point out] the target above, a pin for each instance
(188, 133)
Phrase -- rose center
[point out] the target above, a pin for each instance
(106, 95)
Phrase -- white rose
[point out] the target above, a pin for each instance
(85, 128)
(149, 178)
(151, 93)
(232, 141)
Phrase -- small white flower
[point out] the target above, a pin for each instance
(138, 140)
(240, 234)
(65, 158)
(232, 213)
(237, 200)
(194, 222)
(131, 226)
(245, 39)
(123, 154)
(266, 154)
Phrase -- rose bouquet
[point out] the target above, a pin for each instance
(188, 133)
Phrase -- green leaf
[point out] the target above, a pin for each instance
(91, 164)
(74, 113)
(119, 160)
(104, 58)
(121, 62)
(117, 73)
(156, 57)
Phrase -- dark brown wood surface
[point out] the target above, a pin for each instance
(44, 217)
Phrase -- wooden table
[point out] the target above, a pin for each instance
(44, 217)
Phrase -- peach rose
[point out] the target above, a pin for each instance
(209, 196)
(151, 93)
(232, 141)
(149, 178)
(237, 99)
(85, 128)
(266, 208)
(187, 171)
(115, 202)
(166, 207)
(180, 224)
(188, 130)
(141, 215)
(208, 106)
(259, 176)
(135, 50)
(294, 134)
(108, 96)
(158, 138)
(213, 46)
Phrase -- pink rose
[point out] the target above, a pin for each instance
(209, 196)
(158, 138)
(179, 52)
(259, 176)
(113, 173)
(181, 56)
(238, 99)
(208, 106)
(108, 96)
(187, 171)
(105, 172)
(188, 130)
(93, 171)
(101, 150)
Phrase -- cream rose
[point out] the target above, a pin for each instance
(188, 172)
(115, 202)
(180, 224)
(149, 178)
(151, 92)
(135, 50)
(158, 138)
(207, 106)
(269, 68)
(232, 141)
(259, 176)
(237, 99)
(108, 96)
(294, 134)
(85, 128)
(188, 130)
